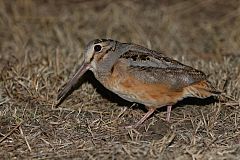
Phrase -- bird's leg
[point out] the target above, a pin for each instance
(169, 108)
(149, 113)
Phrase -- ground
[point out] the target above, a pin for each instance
(41, 45)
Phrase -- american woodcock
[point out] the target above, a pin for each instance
(141, 75)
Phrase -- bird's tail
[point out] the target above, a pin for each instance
(202, 89)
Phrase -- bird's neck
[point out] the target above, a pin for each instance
(106, 65)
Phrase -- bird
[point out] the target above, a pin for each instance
(140, 75)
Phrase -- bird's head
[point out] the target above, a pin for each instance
(94, 54)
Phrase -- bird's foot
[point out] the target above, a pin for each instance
(149, 113)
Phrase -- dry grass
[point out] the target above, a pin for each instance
(41, 43)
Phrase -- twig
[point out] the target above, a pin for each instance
(21, 131)
(4, 101)
(57, 61)
(9, 133)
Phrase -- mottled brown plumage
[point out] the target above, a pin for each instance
(140, 75)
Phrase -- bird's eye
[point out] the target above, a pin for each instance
(97, 48)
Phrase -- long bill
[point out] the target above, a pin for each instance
(69, 87)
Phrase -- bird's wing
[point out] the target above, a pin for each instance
(153, 67)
